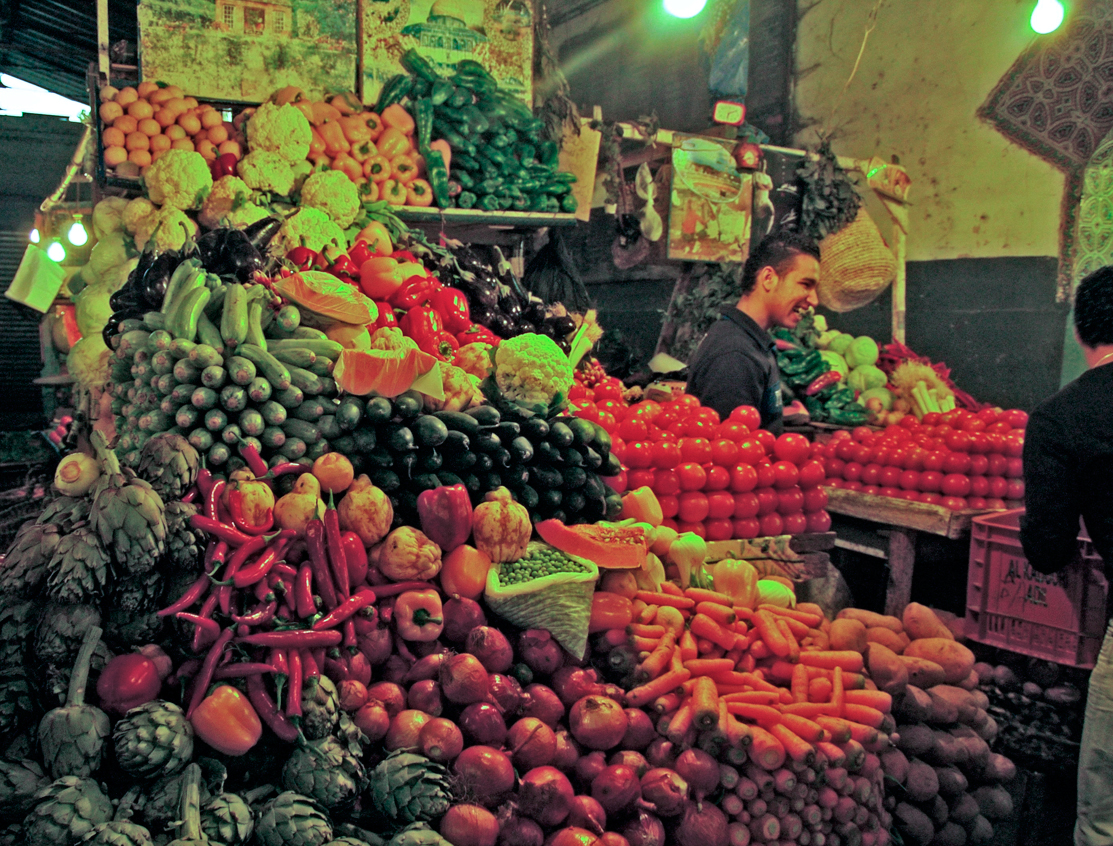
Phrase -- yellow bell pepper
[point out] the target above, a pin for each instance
(642, 506)
(737, 579)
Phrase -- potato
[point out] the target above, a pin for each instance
(947, 749)
(937, 810)
(870, 619)
(943, 710)
(964, 809)
(956, 660)
(963, 702)
(920, 622)
(984, 671)
(915, 739)
(922, 672)
(951, 781)
(922, 783)
(988, 731)
(888, 638)
(914, 706)
(970, 682)
(895, 764)
(994, 802)
(847, 634)
(914, 825)
(981, 831)
(980, 698)
(951, 834)
(886, 669)
(998, 768)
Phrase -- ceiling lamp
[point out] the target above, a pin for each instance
(56, 252)
(34, 237)
(1047, 16)
(684, 8)
(77, 235)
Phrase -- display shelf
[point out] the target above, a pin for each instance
(509, 219)
(917, 516)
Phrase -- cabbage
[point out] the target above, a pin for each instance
(108, 216)
(836, 361)
(862, 350)
(883, 394)
(110, 251)
(87, 361)
(867, 376)
(840, 342)
(92, 308)
(825, 338)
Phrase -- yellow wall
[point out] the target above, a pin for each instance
(927, 67)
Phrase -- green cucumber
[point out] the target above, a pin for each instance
(187, 416)
(240, 370)
(295, 428)
(273, 369)
(273, 437)
(273, 413)
(259, 389)
(207, 332)
(181, 348)
(309, 383)
(293, 448)
(204, 398)
(215, 419)
(232, 434)
(214, 377)
(201, 439)
(203, 355)
(233, 398)
(294, 356)
(252, 422)
(290, 398)
(310, 411)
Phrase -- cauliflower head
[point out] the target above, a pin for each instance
(280, 129)
(307, 228)
(168, 229)
(390, 338)
(474, 359)
(229, 204)
(334, 193)
(263, 170)
(180, 178)
(136, 212)
(531, 370)
(461, 391)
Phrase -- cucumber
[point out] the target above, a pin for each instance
(182, 392)
(203, 398)
(349, 413)
(182, 275)
(251, 421)
(322, 367)
(346, 444)
(187, 416)
(318, 346)
(240, 370)
(269, 366)
(308, 333)
(187, 317)
(328, 427)
(202, 356)
(215, 419)
(201, 439)
(259, 389)
(158, 340)
(273, 437)
(307, 432)
(290, 398)
(293, 449)
(316, 450)
(233, 318)
(163, 362)
(214, 377)
(294, 356)
(288, 318)
(207, 332)
(181, 348)
(218, 454)
(310, 411)
(165, 384)
(309, 383)
(273, 413)
(232, 434)
(233, 398)
(255, 324)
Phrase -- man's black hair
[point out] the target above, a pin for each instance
(1093, 308)
(777, 250)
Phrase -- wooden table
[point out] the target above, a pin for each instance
(901, 521)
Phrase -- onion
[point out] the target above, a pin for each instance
(463, 679)
(520, 831)
(392, 697)
(598, 722)
(587, 813)
(634, 760)
(660, 753)
(613, 838)
(405, 729)
(616, 788)
(491, 647)
(665, 790)
(646, 830)
(573, 683)
(702, 824)
(541, 702)
(395, 668)
(359, 668)
(505, 692)
(567, 751)
(589, 766)
(426, 668)
(545, 795)
(700, 770)
(572, 837)
(540, 651)
(441, 740)
(640, 731)
(482, 723)
(531, 743)
(485, 772)
(460, 617)
(469, 825)
(373, 720)
(426, 696)
(376, 645)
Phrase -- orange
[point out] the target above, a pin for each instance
(232, 147)
(155, 156)
(176, 104)
(211, 118)
(113, 137)
(140, 157)
(159, 143)
(110, 111)
(146, 88)
(191, 102)
(149, 126)
(174, 90)
(175, 133)
(207, 149)
(166, 116)
(108, 93)
(127, 96)
(140, 109)
(182, 144)
(114, 155)
(159, 97)
(218, 134)
(198, 137)
(189, 122)
(138, 141)
(126, 124)
(464, 572)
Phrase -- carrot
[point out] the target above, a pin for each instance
(812, 621)
(737, 733)
(701, 595)
(666, 704)
(705, 704)
(740, 627)
(664, 599)
(819, 689)
(754, 697)
(722, 614)
(747, 663)
(790, 638)
(763, 714)
(782, 671)
(798, 629)
(647, 614)
(838, 693)
(811, 710)
(643, 630)
(671, 588)
(680, 723)
(863, 714)
(665, 683)
(766, 750)
(834, 754)
(848, 730)
(671, 618)
(759, 650)
(703, 626)
(878, 699)
(818, 640)
(799, 683)
(735, 654)
(658, 659)
(643, 644)
(614, 638)
(808, 730)
(707, 649)
(771, 634)
(708, 666)
(851, 662)
(855, 754)
(798, 749)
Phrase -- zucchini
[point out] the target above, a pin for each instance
(273, 369)
(273, 413)
(233, 398)
(307, 432)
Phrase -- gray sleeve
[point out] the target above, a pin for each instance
(732, 380)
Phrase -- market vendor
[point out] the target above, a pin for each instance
(736, 363)
(1068, 473)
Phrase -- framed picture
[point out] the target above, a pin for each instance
(711, 203)
(776, 191)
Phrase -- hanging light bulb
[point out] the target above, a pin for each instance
(56, 252)
(684, 8)
(1047, 16)
(34, 237)
(77, 234)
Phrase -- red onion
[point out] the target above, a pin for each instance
(395, 668)
(598, 722)
(426, 696)
(613, 838)
(634, 760)
(587, 813)
(482, 723)
(700, 770)
(373, 720)
(646, 830)
(665, 790)
(541, 702)
(441, 740)
(589, 766)
(573, 683)
(491, 647)
(485, 772)
(505, 692)
(426, 668)
(661, 753)
(540, 651)
(405, 729)
(640, 731)
(469, 825)
(567, 751)
(702, 824)
(376, 645)
(392, 697)
(545, 795)
(359, 668)
(531, 743)
(425, 648)
(463, 679)
(460, 617)
(519, 831)
(572, 837)
(616, 788)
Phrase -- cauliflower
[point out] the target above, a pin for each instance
(334, 193)
(180, 178)
(137, 210)
(474, 359)
(307, 228)
(532, 370)
(88, 360)
(108, 215)
(168, 229)
(230, 204)
(390, 338)
(461, 391)
(280, 129)
(266, 171)
(109, 252)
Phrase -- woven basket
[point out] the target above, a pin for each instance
(855, 265)
(560, 604)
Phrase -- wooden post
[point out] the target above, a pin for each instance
(898, 212)
(902, 562)
(103, 60)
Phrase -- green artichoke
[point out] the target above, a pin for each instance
(326, 771)
(163, 800)
(78, 570)
(65, 811)
(154, 739)
(19, 782)
(12, 835)
(410, 788)
(127, 514)
(353, 834)
(61, 631)
(23, 570)
(118, 833)
(125, 630)
(290, 819)
(17, 705)
(17, 625)
(227, 819)
(72, 737)
(141, 592)
(65, 512)
(170, 463)
(185, 546)
(320, 705)
(189, 827)
(418, 834)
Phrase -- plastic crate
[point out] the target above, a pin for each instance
(1058, 617)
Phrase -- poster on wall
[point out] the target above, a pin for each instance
(498, 34)
(710, 211)
(777, 196)
(244, 50)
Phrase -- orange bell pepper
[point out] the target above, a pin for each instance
(419, 615)
(345, 163)
(393, 142)
(642, 505)
(419, 193)
(403, 168)
(289, 94)
(355, 129)
(379, 277)
(321, 161)
(226, 721)
(377, 168)
(303, 106)
(323, 113)
(394, 192)
(374, 123)
(316, 142)
(333, 134)
(377, 238)
(397, 117)
(346, 103)
(368, 191)
(363, 150)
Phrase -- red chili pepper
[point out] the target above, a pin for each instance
(264, 591)
(293, 701)
(350, 638)
(405, 256)
(268, 711)
(206, 632)
(247, 576)
(412, 294)
(276, 657)
(259, 617)
(288, 467)
(191, 494)
(239, 518)
(208, 667)
(303, 593)
(338, 562)
(356, 555)
(294, 638)
(254, 546)
(310, 668)
(318, 656)
(823, 380)
(304, 258)
(204, 482)
(400, 587)
(285, 571)
(315, 541)
(255, 463)
(193, 593)
(186, 670)
(361, 599)
(222, 531)
(214, 561)
(387, 318)
(452, 303)
(242, 670)
(212, 501)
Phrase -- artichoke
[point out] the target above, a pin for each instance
(65, 512)
(164, 798)
(410, 788)
(19, 782)
(189, 828)
(61, 631)
(65, 811)
(326, 771)
(12, 835)
(142, 592)
(118, 833)
(320, 705)
(127, 514)
(170, 463)
(17, 625)
(78, 570)
(24, 566)
(16, 703)
(290, 819)
(154, 739)
(227, 819)
(185, 546)
(72, 737)
(418, 834)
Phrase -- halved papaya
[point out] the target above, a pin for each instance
(617, 548)
(388, 373)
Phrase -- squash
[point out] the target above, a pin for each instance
(300, 505)
(501, 527)
(366, 510)
(610, 547)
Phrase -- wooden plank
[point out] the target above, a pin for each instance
(902, 561)
(813, 542)
(919, 516)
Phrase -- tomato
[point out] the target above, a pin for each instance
(699, 427)
(998, 487)
(697, 450)
(979, 442)
(724, 453)
(811, 474)
(882, 455)
(976, 502)
(766, 475)
(933, 461)
(1014, 445)
(718, 478)
(973, 424)
(790, 501)
(639, 454)
(839, 435)
(606, 420)
(862, 434)
(719, 530)
(746, 415)
(632, 428)
(720, 505)
(1014, 468)
(695, 528)
(930, 498)
(766, 438)
(815, 499)
(577, 391)
(818, 521)
(693, 507)
(996, 503)
(666, 482)
(871, 473)
(793, 448)
(932, 418)
(670, 505)
(956, 462)
(833, 483)
(958, 441)
(1014, 417)
(889, 477)
(846, 450)
(871, 489)
(996, 464)
(795, 524)
(892, 492)
(955, 485)
(908, 496)
(750, 451)
(833, 468)
(608, 391)
(743, 478)
(996, 443)
(910, 480)
(767, 501)
(785, 475)
(746, 505)
(979, 486)
(692, 476)
(616, 483)
(852, 471)
(954, 503)
(672, 524)
(732, 431)
(641, 479)
(772, 525)
(931, 481)
(998, 428)
(863, 454)
(914, 459)
(747, 528)
(909, 422)
(819, 450)
(666, 455)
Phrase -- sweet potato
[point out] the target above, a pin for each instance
(984, 671)
(914, 825)
(913, 707)
(916, 739)
(988, 731)
(977, 750)
(951, 781)
(937, 810)
(970, 682)
(887, 637)
(946, 749)
(978, 720)
(886, 669)
(869, 619)
(895, 764)
(943, 710)
(994, 802)
(962, 701)
(920, 622)
(956, 660)
(964, 809)
(922, 672)
(847, 634)
(951, 834)
(980, 699)
(922, 782)
(810, 608)
(980, 832)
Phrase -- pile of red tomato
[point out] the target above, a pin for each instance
(721, 479)
(959, 459)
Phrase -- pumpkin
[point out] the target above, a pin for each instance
(501, 527)
(366, 510)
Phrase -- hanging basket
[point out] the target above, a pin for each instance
(856, 265)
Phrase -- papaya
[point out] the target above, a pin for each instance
(387, 373)
(609, 547)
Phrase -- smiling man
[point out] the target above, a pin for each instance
(736, 363)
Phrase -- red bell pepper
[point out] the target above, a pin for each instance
(404, 256)
(412, 293)
(452, 303)
(387, 318)
(443, 345)
(421, 323)
(304, 258)
(476, 334)
(446, 515)
(359, 253)
(344, 266)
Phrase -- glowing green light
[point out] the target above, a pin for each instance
(56, 252)
(684, 8)
(34, 237)
(1047, 16)
(77, 234)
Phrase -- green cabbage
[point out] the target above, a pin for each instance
(883, 394)
(867, 376)
(862, 350)
(836, 361)
(92, 309)
(840, 342)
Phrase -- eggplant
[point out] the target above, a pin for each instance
(238, 256)
(534, 312)
(562, 325)
(208, 247)
(501, 325)
(524, 327)
(152, 286)
(261, 232)
(510, 306)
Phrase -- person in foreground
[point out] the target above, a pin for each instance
(1068, 473)
(736, 363)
